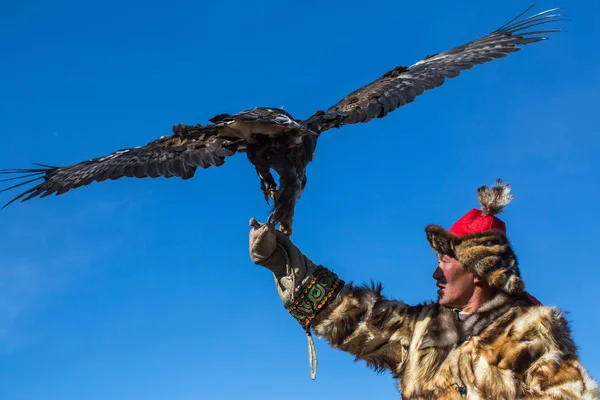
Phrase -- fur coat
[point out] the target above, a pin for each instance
(509, 349)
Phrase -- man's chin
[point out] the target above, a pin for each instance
(443, 302)
(440, 298)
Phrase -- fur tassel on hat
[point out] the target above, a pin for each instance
(494, 199)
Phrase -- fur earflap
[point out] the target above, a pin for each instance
(441, 240)
(494, 199)
(490, 256)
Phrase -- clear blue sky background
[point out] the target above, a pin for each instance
(143, 289)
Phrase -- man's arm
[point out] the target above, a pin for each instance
(547, 359)
(358, 320)
(369, 326)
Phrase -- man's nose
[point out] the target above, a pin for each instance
(437, 274)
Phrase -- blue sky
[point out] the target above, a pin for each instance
(143, 289)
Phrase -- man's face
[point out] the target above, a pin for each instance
(455, 283)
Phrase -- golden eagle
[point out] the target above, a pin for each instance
(274, 140)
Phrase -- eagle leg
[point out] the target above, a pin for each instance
(286, 227)
(267, 184)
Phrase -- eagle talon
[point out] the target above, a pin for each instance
(269, 192)
(285, 228)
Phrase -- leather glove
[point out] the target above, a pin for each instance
(275, 251)
(304, 287)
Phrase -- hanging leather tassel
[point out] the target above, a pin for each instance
(313, 362)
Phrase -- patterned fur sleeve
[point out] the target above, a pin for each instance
(369, 326)
(554, 371)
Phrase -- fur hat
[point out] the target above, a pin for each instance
(478, 240)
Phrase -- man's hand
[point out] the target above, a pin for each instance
(274, 250)
(264, 247)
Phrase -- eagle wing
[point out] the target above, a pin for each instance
(176, 155)
(402, 85)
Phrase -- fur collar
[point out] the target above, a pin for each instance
(447, 329)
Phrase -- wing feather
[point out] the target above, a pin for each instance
(175, 156)
(402, 85)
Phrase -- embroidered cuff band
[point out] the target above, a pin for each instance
(316, 293)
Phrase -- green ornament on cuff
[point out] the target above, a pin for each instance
(315, 295)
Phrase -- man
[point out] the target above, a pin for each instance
(485, 337)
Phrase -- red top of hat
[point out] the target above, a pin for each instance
(475, 222)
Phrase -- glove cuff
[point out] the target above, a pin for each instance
(318, 291)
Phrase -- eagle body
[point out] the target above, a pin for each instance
(272, 139)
